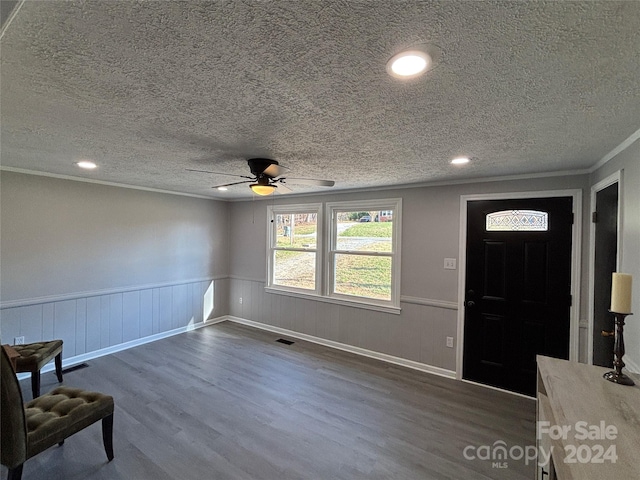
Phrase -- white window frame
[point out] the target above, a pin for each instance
(273, 211)
(389, 204)
(326, 238)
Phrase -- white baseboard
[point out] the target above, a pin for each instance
(423, 367)
(69, 362)
(491, 387)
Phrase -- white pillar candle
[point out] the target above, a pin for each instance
(621, 293)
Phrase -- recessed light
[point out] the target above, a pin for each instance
(87, 165)
(460, 160)
(408, 64)
(414, 62)
(223, 189)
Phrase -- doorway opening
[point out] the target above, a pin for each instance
(603, 260)
(518, 285)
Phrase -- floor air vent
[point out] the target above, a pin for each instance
(74, 368)
(286, 342)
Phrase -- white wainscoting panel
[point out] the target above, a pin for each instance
(104, 322)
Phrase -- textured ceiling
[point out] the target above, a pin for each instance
(149, 89)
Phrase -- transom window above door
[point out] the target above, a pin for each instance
(517, 221)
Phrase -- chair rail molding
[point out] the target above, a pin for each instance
(429, 302)
(97, 293)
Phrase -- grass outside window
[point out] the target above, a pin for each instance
(363, 276)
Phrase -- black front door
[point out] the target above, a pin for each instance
(606, 252)
(518, 289)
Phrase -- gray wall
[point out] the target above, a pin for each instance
(430, 232)
(629, 162)
(60, 236)
(98, 265)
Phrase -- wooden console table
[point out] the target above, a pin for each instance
(590, 426)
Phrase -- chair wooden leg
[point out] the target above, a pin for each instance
(107, 435)
(58, 361)
(35, 383)
(15, 473)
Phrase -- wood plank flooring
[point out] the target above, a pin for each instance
(228, 402)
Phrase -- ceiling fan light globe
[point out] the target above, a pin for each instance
(262, 189)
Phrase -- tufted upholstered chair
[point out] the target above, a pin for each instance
(29, 429)
(34, 356)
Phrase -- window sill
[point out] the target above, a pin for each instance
(337, 301)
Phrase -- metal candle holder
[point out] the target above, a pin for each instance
(616, 376)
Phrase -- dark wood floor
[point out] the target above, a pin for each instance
(227, 401)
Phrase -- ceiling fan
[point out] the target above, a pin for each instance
(267, 177)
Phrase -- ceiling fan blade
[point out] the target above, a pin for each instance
(218, 173)
(283, 189)
(234, 183)
(273, 170)
(310, 181)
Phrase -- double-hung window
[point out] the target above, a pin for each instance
(295, 248)
(364, 251)
(351, 257)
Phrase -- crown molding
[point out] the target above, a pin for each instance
(616, 151)
(12, 15)
(443, 183)
(613, 153)
(103, 182)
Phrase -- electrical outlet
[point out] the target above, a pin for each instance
(449, 263)
(240, 300)
(18, 341)
(450, 342)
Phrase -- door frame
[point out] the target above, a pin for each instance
(615, 177)
(576, 249)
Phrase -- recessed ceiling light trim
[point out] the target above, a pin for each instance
(460, 160)
(87, 165)
(413, 62)
(408, 64)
